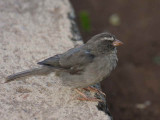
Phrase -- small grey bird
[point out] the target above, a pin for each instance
(81, 66)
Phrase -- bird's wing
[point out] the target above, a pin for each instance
(51, 61)
(72, 58)
(76, 57)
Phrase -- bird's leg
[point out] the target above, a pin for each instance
(85, 98)
(93, 89)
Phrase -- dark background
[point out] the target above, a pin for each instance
(133, 89)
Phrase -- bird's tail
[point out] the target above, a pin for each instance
(35, 71)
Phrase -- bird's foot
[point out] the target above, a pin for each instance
(85, 98)
(89, 99)
(93, 89)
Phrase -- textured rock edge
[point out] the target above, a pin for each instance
(43, 96)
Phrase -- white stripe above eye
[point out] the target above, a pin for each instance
(108, 38)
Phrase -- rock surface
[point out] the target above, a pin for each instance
(32, 30)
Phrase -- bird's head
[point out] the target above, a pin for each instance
(104, 42)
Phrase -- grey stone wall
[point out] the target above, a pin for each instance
(30, 31)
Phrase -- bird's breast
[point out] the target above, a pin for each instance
(101, 67)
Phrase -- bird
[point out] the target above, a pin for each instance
(81, 66)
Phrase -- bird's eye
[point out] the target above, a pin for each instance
(108, 38)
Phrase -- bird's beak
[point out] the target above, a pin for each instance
(117, 43)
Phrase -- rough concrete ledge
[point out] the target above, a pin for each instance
(32, 30)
